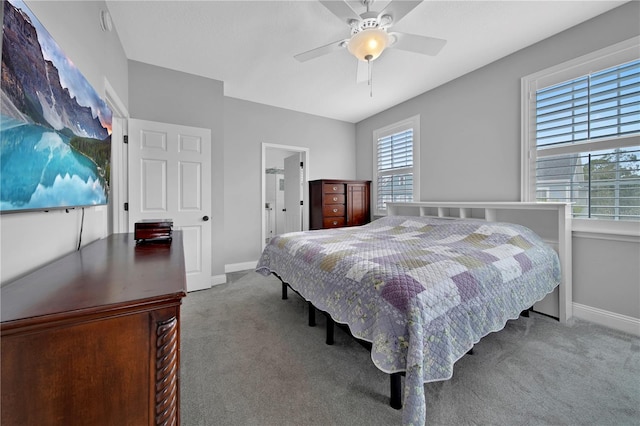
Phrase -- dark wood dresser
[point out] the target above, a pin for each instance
(338, 203)
(94, 337)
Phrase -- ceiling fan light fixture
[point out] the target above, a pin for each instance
(368, 44)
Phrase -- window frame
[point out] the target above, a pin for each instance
(612, 56)
(400, 126)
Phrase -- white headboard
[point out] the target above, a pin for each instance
(551, 221)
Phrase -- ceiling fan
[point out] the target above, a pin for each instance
(370, 34)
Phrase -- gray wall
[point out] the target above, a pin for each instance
(238, 130)
(470, 147)
(168, 96)
(30, 240)
(606, 274)
(247, 125)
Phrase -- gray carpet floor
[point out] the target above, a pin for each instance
(249, 358)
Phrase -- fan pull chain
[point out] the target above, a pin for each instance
(370, 76)
(370, 80)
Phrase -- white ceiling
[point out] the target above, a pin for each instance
(249, 45)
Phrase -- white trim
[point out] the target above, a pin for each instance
(411, 122)
(619, 53)
(237, 267)
(118, 107)
(609, 319)
(606, 236)
(218, 279)
(305, 190)
(621, 228)
(525, 138)
(119, 160)
(119, 181)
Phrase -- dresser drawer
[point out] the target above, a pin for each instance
(333, 210)
(333, 188)
(333, 199)
(333, 222)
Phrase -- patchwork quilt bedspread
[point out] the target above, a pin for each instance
(422, 290)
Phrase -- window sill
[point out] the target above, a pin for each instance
(620, 230)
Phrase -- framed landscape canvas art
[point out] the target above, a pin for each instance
(55, 131)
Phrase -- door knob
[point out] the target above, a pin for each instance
(205, 218)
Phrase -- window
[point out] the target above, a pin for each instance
(396, 154)
(581, 134)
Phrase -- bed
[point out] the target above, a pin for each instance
(427, 282)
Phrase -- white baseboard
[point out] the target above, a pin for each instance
(236, 267)
(218, 279)
(609, 319)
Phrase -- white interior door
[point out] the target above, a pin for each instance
(170, 178)
(279, 217)
(292, 193)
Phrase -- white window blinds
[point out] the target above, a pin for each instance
(599, 105)
(585, 149)
(395, 151)
(395, 168)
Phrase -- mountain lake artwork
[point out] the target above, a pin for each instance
(55, 131)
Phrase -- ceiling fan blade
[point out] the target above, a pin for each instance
(320, 51)
(341, 9)
(419, 44)
(399, 8)
(362, 72)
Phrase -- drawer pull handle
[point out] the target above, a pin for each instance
(335, 198)
(335, 210)
(335, 222)
(335, 188)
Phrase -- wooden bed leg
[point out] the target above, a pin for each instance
(525, 313)
(312, 314)
(396, 390)
(330, 328)
(284, 291)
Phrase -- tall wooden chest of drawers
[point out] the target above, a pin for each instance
(94, 337)
(338, 203)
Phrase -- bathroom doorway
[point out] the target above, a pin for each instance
(284, 190)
